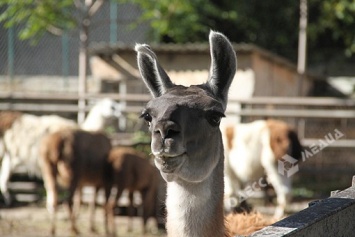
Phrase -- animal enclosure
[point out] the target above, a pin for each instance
(314, 118)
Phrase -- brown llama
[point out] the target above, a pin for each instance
(73, 159)
(132, 171)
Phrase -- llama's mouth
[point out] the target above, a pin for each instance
(168, 164)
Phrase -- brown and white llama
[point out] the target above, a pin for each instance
(252, 150)
(187, 142)
(21, 133)
(75, 158)
(132, 171)
(20, 136)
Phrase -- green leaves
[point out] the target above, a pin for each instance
(36, 17)
(338, 17)
(180, 21)
(270, 24)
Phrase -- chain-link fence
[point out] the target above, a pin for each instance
(56, 57)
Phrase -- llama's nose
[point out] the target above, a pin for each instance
(167, 130)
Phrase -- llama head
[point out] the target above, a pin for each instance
(108, 108)
(184, 121)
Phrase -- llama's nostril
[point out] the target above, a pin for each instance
(172, 133)
(167, 130)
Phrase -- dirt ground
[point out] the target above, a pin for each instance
(32, 220)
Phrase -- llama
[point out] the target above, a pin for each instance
(186, 139)
(252, 150)
(133, 172)
(20, 135)
(244, 224)
(75, 158)
(102, 111)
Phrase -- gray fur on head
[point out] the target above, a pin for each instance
(222, 70)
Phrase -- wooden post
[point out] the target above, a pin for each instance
(10, 57)
(83, 61)
(302, 44)
(82, 75)
(302, 55)
(89, 9)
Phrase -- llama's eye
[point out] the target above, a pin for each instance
(214, 118)
(147, 117)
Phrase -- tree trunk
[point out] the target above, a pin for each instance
(83, 59)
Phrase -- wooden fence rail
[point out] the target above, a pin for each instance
(302, 107)
(291, 107)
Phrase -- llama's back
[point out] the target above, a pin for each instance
(7, 118)
(91, 149)
(134, 172)
(53, 123)
(23, 139)
(78, 153)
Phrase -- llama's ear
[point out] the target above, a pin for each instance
(153, 75)
(223, 65)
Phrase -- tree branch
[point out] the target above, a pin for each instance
(95, 7)
(54, 30)
(78, 4)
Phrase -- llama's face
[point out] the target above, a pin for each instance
(109, 108)
(184, 121)
(181, 122)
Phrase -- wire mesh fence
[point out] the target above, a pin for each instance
(57, 56)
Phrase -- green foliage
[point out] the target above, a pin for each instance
(141, 137)
(37, 17)
(270, 24)
(141, 141)
(181, 21)
(333, 22)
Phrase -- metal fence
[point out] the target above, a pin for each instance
(58, 55)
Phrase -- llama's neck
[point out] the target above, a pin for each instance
(196, 209)
(94, 122)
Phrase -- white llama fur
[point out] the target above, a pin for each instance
(32, 128)
(248, 157)
(98, 115)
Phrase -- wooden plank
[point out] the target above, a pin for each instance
(39, 107)
(296, 113)
(31, 107)
(297, 101)
(342, 143)
(23, 185)
(38, 96)
(72, 96)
